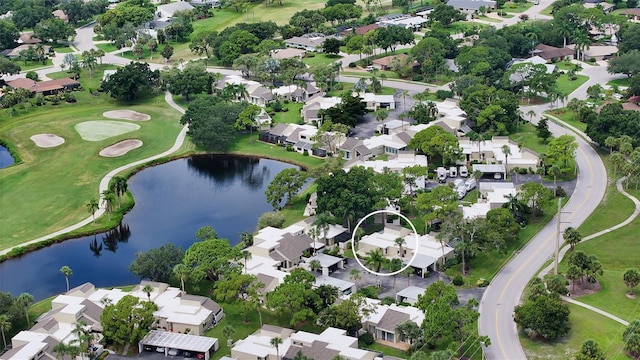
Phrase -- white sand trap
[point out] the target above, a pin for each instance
(121, 148)
(103, 129)
(47, 140)
(126, 115)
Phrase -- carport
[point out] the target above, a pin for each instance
(491, 169)
(184, 342)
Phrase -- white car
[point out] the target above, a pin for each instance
(173, 352)
(464, 172)
(470, 184)
(497, 176)
(160, 349)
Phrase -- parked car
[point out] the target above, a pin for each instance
(148, 348)
(453, 172)
(371, 68)
(457, 183)
(497, 176)
(173, 352)
(187, 354)
(464, 172)
(441, 174)
(160, 349)
(200, 356)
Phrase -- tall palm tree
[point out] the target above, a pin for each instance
(82, 337)
(148, 289)
(394, 265)
(108, 199)
(506, 150)
(554, 171)
(5, 326)
(323, 220)
(66, 271)
(375, 260)
(25, 300)
(572, 236)
(246, 255)
(60, 350)
(275, 342)
(400, 241)
(182, 271)
(611, 142)
(477, 175)
(119, 187)
(354, 274)
(92, 207)
(409, 272)
(618, 161)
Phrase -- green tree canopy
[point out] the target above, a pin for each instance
(157, 264)
(287, 182)
(437, 143)
(127, 321)
(132, 82)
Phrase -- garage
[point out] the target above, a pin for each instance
(171, 343)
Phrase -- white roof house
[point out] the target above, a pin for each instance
(167, 11)
(410, 294)
(395, 163)
(493, 195)
(402, 20)
(374, 102)
(491, 151)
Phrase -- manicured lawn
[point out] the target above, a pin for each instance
(320, 59)
(566, 86)
(516, 8)
(569, 117)
(388, 74)
(585, 324)
(107, 47)
(565, 65)
(348, 86)
(547, 10)
(489, 19)
(613, 209)
(389, 351)
(620, 82)
(463, 26)
(294, 211)
(224, 18)
(59, 185)
(290, 117)
(33, 65)
(249, 145)
(527, 135)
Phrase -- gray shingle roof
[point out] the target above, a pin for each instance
(391, 319)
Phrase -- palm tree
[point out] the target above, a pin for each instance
(506, 150)
(5, 326)
(611, 142)
(554, 171)
(227, 331)
(66, 271)
(323, 220)
(99, 53)
(82, 337)
(246, 255)
(354, 274)
(60, 350)
(531, 114)
(92, 207)
(357, 236)
(315, 265)
(618, 161)
(275, 342)
(514, 205)
(404, 95)
(108, 199)
(119, 187)
(400, 242)
(572, 237)
(375, 260)
(409, 272)
(89, 61)
(182, 272)
(393, 266)
(477, 175)
(148, 289)
(25, 300)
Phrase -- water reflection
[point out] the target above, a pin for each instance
(5, 158)
(173, 200)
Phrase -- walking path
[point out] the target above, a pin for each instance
(104, 183)
(566, 248)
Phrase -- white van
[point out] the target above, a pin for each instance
(453, 172)
(470, 184)
(463, 171)
(441, 174)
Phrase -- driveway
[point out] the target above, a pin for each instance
(366, 127)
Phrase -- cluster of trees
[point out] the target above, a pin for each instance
(583, 268)
(265, 68)
(352, 195)
(132, 82)
(628, 58)
(287, 183)
(192, 79)
(612, 121)
(440, 146)
(631, 338)
(127, 321)
(14, 313)
(543, 315)
(347, 112)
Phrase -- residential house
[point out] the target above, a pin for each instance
(492, 196)
(327, 345)
(44, 87)
(290, 93)
(402, 20)
(421, 252)
(15, 52)
(597, 52)
(27, 38)
(289, 53)
(383, 321)
(388, 144)
(522, 72)
(354, 149)
(552, 53)
(361, 30)
(167, 11)
(311, 110)
(256, 93)
(60, 14)
(409, 295)
(209, 3)
(374, 102)
(472, 6)
(395, 164)
(345, 288)
(263, 120)
(277, 135)
(308, 42)
(606, 7)
(286, 246)
(384, 63)
(632, 14)
(491, 151)
(424, 11)
(334, 234)
(162, 341)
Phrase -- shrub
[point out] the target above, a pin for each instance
(272, 218)
(560, 192)
(352, 65)
(305, 153)
(369, 291)
(458, 280)
(482, 282)
(387, 300)
(69, 97)
(32, 75)
(366, 339)
(289, 148)
(55, 100)
(443, 94)
(276, 106)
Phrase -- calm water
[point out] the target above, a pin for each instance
(5, 158)
(173, 200)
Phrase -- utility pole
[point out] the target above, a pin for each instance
(555, 269)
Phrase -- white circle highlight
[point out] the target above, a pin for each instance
(415, 234)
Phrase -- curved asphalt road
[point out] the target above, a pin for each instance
(500, 298)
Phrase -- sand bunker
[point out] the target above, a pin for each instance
(126, 115)
(47, 140)
(121, 148)
(103, 129)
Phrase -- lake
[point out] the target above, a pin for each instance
(173, 201)
(5, 157)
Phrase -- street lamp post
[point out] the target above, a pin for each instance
(555, 268)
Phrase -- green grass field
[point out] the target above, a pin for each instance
(33, 65)
(463, 26)
(527, 135)
(585, 324)
(320, 59)
(566, 86)
(59, 185)
(290, 117)
(516, 7)
(619, 82)
(569, 117)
